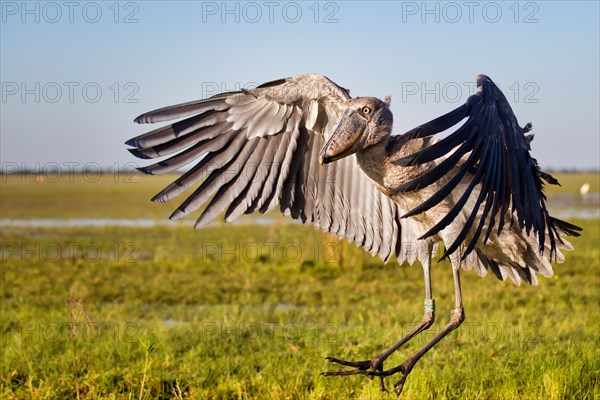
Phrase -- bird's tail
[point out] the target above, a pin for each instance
(519, 258)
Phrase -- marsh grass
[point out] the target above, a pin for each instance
(244, 312)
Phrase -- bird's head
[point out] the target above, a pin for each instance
(366, 121)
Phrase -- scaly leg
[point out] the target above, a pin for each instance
(458, 316)
(376, 363)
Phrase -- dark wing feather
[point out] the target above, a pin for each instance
(258, 149)
(498, 164)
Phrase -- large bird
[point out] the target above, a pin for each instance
(304, 145)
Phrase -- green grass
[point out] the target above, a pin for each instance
(236, 312)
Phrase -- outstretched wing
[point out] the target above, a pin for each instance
(257, 149)
(493, 152)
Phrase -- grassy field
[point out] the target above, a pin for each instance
(250, 311)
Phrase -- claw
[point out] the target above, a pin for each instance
(382, 385)
(398, 386)
(383, 388)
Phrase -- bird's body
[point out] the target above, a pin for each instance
(305, 145)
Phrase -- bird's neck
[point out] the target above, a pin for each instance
(373, 161)
(378, 162)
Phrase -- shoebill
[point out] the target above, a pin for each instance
(302, 144)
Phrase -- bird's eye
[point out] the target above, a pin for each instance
(366, 110)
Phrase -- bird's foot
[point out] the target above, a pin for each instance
(360, 368)
(374, 366)
(405, 368)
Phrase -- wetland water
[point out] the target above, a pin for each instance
(563, 206)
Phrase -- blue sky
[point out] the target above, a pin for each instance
(74, 75)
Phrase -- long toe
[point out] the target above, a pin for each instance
(360, 367)
(342, 373)
(357, 364)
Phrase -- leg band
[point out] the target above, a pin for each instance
(429, 305)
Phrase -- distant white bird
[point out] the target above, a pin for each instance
(585, 188)
(305, 145)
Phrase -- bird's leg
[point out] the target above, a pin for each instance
(376, 363)
(457, 317)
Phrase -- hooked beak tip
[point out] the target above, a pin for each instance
(325, 159)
